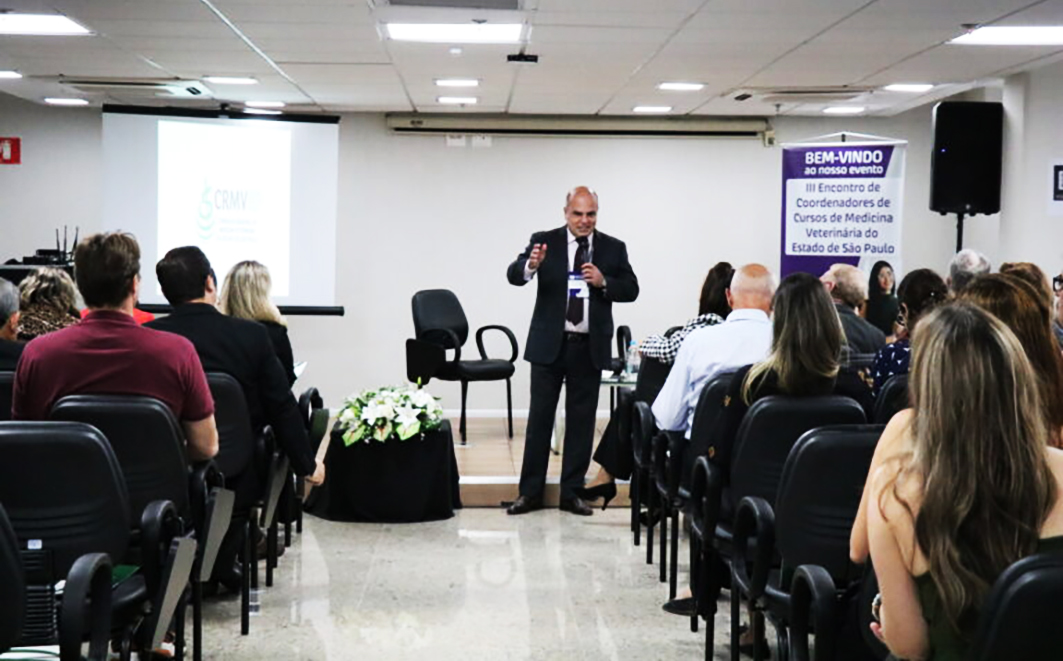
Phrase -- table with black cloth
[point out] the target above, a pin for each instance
(390, 482)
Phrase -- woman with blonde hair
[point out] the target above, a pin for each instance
(245, 295)
(47, 303)
(973, 487)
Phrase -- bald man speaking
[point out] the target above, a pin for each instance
(581, 273)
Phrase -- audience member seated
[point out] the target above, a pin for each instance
(10, 348)
(108, 353)
(1033, 275)
(968, 494)
(613, 454)
(918, 293)
(243, 350)
(48, 298)
(882, 302)
(848, 290)
(1026, 312)
(964, 266)
(245, 295)
(139, 316)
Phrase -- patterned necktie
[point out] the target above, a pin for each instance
(574, 314)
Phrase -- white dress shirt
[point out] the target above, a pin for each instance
(743, 339)
(573, 245)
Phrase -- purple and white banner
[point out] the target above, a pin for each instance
(841, 203)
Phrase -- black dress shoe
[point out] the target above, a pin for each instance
(683, 606)
(525, 504)
(575, 505)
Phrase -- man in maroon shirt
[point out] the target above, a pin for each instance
(108, 353)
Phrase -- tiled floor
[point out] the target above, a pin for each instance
(483, 585)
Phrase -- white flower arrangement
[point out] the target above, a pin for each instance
(399, 411)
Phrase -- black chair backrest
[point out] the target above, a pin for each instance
(1021, 613)
(439, 308)
(707, 412)
(892, 399)
(819, 495)
(769, 430)
(147, 441)
(652, 375)
(236, 439)
(7, 384)
(63, 491)
(858, 361)
(423, 360)
(623, 343)
(12, 586)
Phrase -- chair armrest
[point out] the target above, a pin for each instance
(509, 334)
(642, 427)
(715, 480)
(86, 608)
(440, 336)
(218, 516)
(812, 596)
(677, 444)
(265, 447)
(659, 462)
(159, 525)
(754, 518)
(202, 478)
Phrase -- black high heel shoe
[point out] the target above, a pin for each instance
(605, 491)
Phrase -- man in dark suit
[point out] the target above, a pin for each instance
(10, 349)
(242, 349)
(581, 273)
(848, 289)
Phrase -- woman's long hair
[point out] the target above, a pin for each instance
(806, 338)
(714, 290)
(1029, 316)
(245, 293)
(874, 290)
(978, 452)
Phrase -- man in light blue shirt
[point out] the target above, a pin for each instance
(744, 338)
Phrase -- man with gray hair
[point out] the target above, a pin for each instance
(10, 349)
(847, 286)
(963, 268)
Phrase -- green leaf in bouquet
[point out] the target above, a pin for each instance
(406, 432)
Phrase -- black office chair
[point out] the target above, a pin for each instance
(769, 430)
(639, 427)
(439, 318)
(256, 450)
(809, 524)
(7, 385)
(315, 418)
(892, 399)
(623, 342)
(1020, 618)
(150, 447)
(65, 496)
(12, 586)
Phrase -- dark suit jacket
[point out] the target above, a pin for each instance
(546, 336)
(9, 354)
(282, 346)
(860, 335)
(243, 350)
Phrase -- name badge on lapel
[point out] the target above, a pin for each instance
(577, 286)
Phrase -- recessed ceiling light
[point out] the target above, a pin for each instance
(844, 110)
(57, 101)
(652, 109)
(10, 75)
(909, 87)
(458, 100)
(264, 104)
(230, 80)
(681, 87)
(1040, 35)
(39, 24)
(455, 51)
(456, 33)
(457, 82)
(261, 111)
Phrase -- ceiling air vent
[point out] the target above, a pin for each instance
(140, 87)
(509, 5)
(797, 95)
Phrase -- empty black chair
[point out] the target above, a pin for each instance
(892, 399)
(439, 318)
(150, 447)
(7, 384)
(65, 496)
(809, 523)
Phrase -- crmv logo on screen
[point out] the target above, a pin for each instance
(224, 202)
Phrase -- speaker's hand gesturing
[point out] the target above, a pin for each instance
(538, 254)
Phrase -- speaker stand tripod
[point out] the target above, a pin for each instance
(959, 231)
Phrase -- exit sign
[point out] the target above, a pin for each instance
(10, 151)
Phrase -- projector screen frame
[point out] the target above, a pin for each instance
(287, 310)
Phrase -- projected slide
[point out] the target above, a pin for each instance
(227, 189)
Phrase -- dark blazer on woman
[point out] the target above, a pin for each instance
(282, 346)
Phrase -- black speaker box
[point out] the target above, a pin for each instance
(966, 164)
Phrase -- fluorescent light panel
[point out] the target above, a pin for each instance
(230, 80)
(457, 100)
(844, 110)
(10, 75)
(261, 111)
(456, 33)
(652, 109)
(39, 24)
(264, 104)
(57, 101)
(457, 82)
(681, 87)
(1040, 35)
(915, 88)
